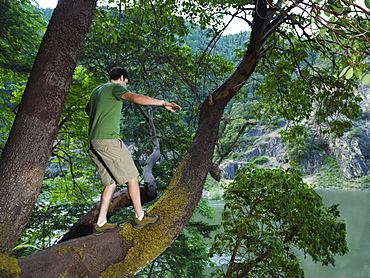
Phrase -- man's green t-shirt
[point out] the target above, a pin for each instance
(104, 109)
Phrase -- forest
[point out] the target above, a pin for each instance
(298, 61)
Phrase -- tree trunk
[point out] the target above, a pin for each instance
(27, 151)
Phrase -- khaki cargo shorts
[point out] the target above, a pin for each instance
(113, 161)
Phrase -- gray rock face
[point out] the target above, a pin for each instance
(229, 168)
(352, 156)
(351, 151)
(270, 147)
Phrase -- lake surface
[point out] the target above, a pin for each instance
(355, 210)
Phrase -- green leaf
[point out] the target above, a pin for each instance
(366, 79)
(344, 71)
(358, 73)
(323, 31)
(349, 73)
(367, 4)
(337, 7)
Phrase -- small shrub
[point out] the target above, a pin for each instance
(297, 152)
(331, 162)
(354, 132)
(260, 160)
(216, 193)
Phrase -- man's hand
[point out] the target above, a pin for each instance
(170, 106)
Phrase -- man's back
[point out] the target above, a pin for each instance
(104, 109)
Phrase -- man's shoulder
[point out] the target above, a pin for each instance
(107, 85)
(118, 91)
(113, 89)
(98, 88)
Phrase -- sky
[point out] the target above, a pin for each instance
(234, 28)
(47, 3)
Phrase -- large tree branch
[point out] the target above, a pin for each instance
(149, 179)
(87, 256)
(121, 199)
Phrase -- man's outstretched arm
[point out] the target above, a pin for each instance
(145, 100)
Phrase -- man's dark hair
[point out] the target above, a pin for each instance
(117, 72)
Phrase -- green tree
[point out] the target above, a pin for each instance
(21, 29)
(268, 215)
(296, 89)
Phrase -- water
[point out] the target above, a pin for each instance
(354, 209)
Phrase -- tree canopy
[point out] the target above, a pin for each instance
(21, 29)
(268, 215)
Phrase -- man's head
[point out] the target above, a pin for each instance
(117, 72)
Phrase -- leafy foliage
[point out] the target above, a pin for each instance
(338, 28)
(269, 213)
(297, 91)
(21, 29)
(297, 153)
(7, 113)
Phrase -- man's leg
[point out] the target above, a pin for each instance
(142, 219)
(105, 200)
(134, 193)
(101, 226)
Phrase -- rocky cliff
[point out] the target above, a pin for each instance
(351, 151)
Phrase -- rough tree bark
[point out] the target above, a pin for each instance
(125, 252)
(27, 151)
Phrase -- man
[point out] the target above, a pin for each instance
(113, 161)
